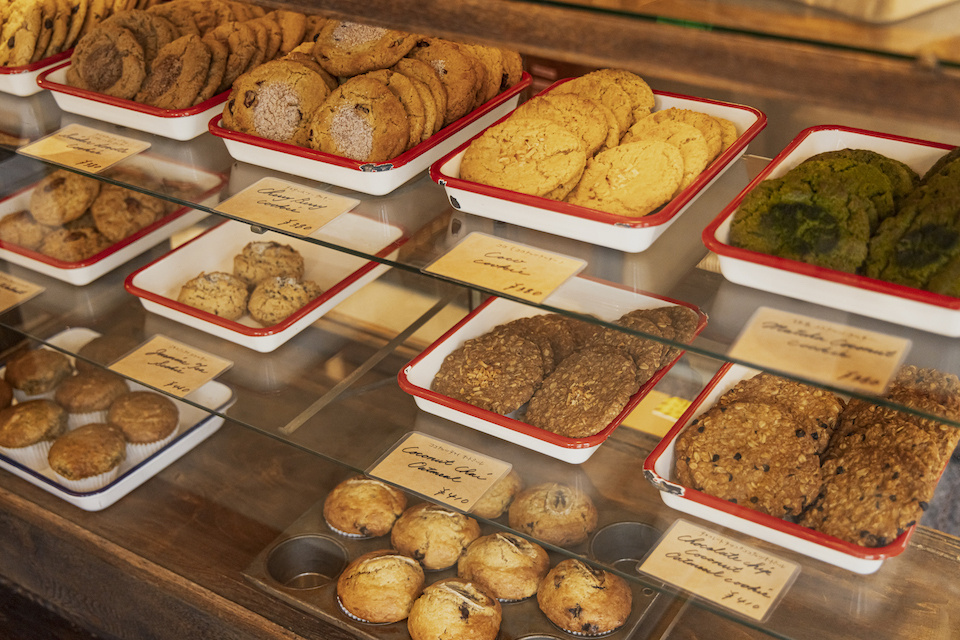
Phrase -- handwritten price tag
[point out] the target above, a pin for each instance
(827, 352)
(518, 270)
(14, 291)
(439, 470)
(286, 206)
(719, 569)
(171, 366)
(84, 148)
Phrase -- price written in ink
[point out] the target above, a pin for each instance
(84, 148)
(171, 366)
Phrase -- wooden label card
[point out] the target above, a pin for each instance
(518, 270)
(835, 354)
(286, 206)
(721, 570)
(84, 148)
(439, 470)
(171, 366)
(14, 291)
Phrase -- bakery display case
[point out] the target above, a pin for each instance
(222, 533)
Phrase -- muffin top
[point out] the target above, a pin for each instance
(507, 566)
(144, 416)
(434, 535)
(455, 608)
(87, 451)
(363, 506)
(584, 600)
(30, 422)
(380, 586)
(38, 371)
(90, 391)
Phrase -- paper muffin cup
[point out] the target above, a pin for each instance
(137, 452)
(347, 613)
(91, 483)
(33, 456)
(22, 396)
(355, 536)
(75, 420)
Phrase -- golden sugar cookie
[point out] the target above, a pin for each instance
(580, 116)
(631, 180)
(605, 91)
(687, 138)
(532, 156)
(457, 73)
(362, 120)
(349, 48)
(706, 124)
(728, 133)
(641, 95)
(409, 97)
(177, 74)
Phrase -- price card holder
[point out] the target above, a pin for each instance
(286, 206)
(171, 366)
(835, 354)
(84, 148)
(517, 270)
(15, 291)
(440, 471)
(727, 573)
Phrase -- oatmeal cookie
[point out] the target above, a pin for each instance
(264, 259)
(276, 298)
(20, 228)
(219, 293)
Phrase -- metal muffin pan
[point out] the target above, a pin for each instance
(301, 567)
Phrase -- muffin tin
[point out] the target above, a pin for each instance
(582, 295)
(302, 565)
(178, 124)
(659, 470)
(196, 425)
(850, 292)
(590, 225)
(374, 178)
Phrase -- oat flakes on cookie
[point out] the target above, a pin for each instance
(219, 293)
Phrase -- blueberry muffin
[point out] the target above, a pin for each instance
(433, 535)
(507, 566)
(554, 513)
(583, 600)
(455, 609)
(496, 500)
(380, 586)
(363, 507)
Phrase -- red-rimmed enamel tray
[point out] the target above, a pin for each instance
(86, 271)
(659, 470)
(178, 124)
(338, 274)
(377, 178)
(581, 295)
(589, 225)
(22, 81)
(850, 292)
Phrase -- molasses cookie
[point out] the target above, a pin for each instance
(425, 73)
(457, 72)
(219, 52)
(151, 31)
(409, 97)
(109, 60)
(177, 74)
(241, 43)
(349, 48)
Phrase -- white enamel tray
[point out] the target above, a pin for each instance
(22, 81)
(589, 225)
(196, 425)
(373, 178)
(339, 275)
(580, 295)
(178, 124)
(88, 270)
(836, 289)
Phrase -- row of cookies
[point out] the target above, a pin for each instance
(180, 53)
(501, 566)
(82, 422)
(266, 282)
(857, 471)
(574, 377)
(390, 90)
(595, 141)
(72, 217)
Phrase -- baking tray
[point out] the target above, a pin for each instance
(301, 567)
(870, 297)
(374, 178)
(86, 271)
(178, 124)
(590, 225)
(659, 470)
(22, 81)
(196, 425)
(580, 295)
(339, 274)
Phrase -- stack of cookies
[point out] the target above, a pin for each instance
(266, 282)
(367, 93)
(574, 377)
(177, 54)
(595, 141)
(73, 217)
(860, 472)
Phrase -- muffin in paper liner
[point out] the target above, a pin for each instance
(352, 536)
(137, 452)
(91, 483)
(20, 396)
(33, 456)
